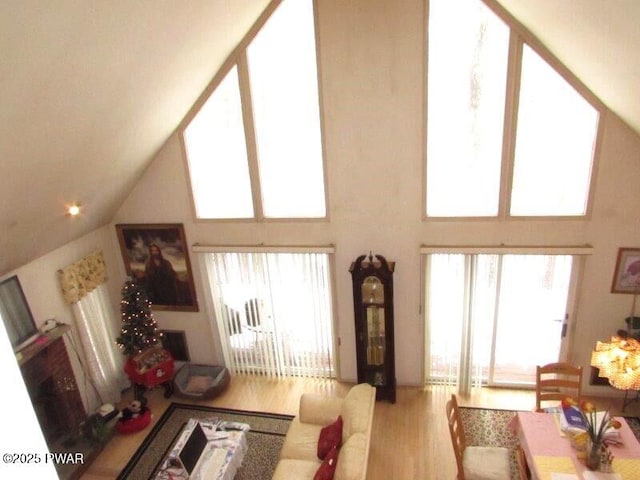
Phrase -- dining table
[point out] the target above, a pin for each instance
(550, 455)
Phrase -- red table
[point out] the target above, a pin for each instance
(548, 451)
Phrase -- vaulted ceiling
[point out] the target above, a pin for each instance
(91, 90)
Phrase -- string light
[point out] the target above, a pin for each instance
(139, 329)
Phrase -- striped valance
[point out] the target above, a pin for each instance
(81, 277)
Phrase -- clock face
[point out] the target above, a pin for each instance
(372, 291)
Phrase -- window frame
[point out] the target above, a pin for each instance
(580, 254)
(518, 37)
(329, 250)
(238, 58)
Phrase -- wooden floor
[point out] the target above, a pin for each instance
(410, 438)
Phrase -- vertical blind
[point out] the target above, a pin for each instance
(273, 312)
(489, 311)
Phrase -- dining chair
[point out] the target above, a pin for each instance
(556, 381)
(475, 462)
(234, 325)
(523, 467)
(253, 313)
(258, 319)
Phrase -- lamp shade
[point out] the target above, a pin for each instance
(619, 362)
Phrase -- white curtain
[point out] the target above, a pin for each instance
(273, 312)
(102, 361)
(83, 286)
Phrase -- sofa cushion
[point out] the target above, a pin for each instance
(330, 436)
(290, 468)
(319, 409)
(490, 463)
(328, 466)
(301, 442)
(356, 410)
(353, 459)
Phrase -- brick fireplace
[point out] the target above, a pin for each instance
(51, 384)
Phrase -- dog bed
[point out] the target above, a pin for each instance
(198, 381)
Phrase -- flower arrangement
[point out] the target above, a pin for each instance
(593, 438)
(597, 424)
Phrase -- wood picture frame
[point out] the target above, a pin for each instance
(626, 277)
(167, 276)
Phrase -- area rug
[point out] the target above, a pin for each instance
(490, 428)
(264, 440)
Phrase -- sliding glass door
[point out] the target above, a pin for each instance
(274, 312)
(491, 318)
(532, 307)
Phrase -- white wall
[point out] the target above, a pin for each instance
(372, 69)
(39, 280)
(21, 431)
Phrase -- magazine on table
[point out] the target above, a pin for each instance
(572, 421)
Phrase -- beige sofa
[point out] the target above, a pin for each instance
(298, 458)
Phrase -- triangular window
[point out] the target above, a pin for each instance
(507, 135)
(254, 149)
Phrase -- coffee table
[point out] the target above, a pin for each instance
(221, 458)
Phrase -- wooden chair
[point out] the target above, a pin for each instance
(556, 381)
(523, 467)
(474, 462)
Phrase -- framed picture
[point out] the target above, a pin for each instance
(156, 256)
(626, 278)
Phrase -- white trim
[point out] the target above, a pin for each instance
(509, 249)
(198, 248)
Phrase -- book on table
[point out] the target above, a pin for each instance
(572, 420)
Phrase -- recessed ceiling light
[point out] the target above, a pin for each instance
(73, 210)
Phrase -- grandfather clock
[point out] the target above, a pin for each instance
(372, 278)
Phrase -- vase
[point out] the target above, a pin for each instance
(592, 460)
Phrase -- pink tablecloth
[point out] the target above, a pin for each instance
(546, 448)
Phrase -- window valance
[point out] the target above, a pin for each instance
(83, 276)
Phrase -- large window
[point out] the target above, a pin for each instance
(217, 155)
(255, 149)
(507, 135)
(467, 79)
(555, 139)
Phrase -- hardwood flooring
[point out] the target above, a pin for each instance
(410, 438)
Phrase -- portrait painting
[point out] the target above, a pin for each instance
(626, 278)
(156, 256)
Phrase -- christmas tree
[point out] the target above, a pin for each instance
(139, 329)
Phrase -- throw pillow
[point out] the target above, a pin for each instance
(328, 466)
(198, 384)
(330, 436)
